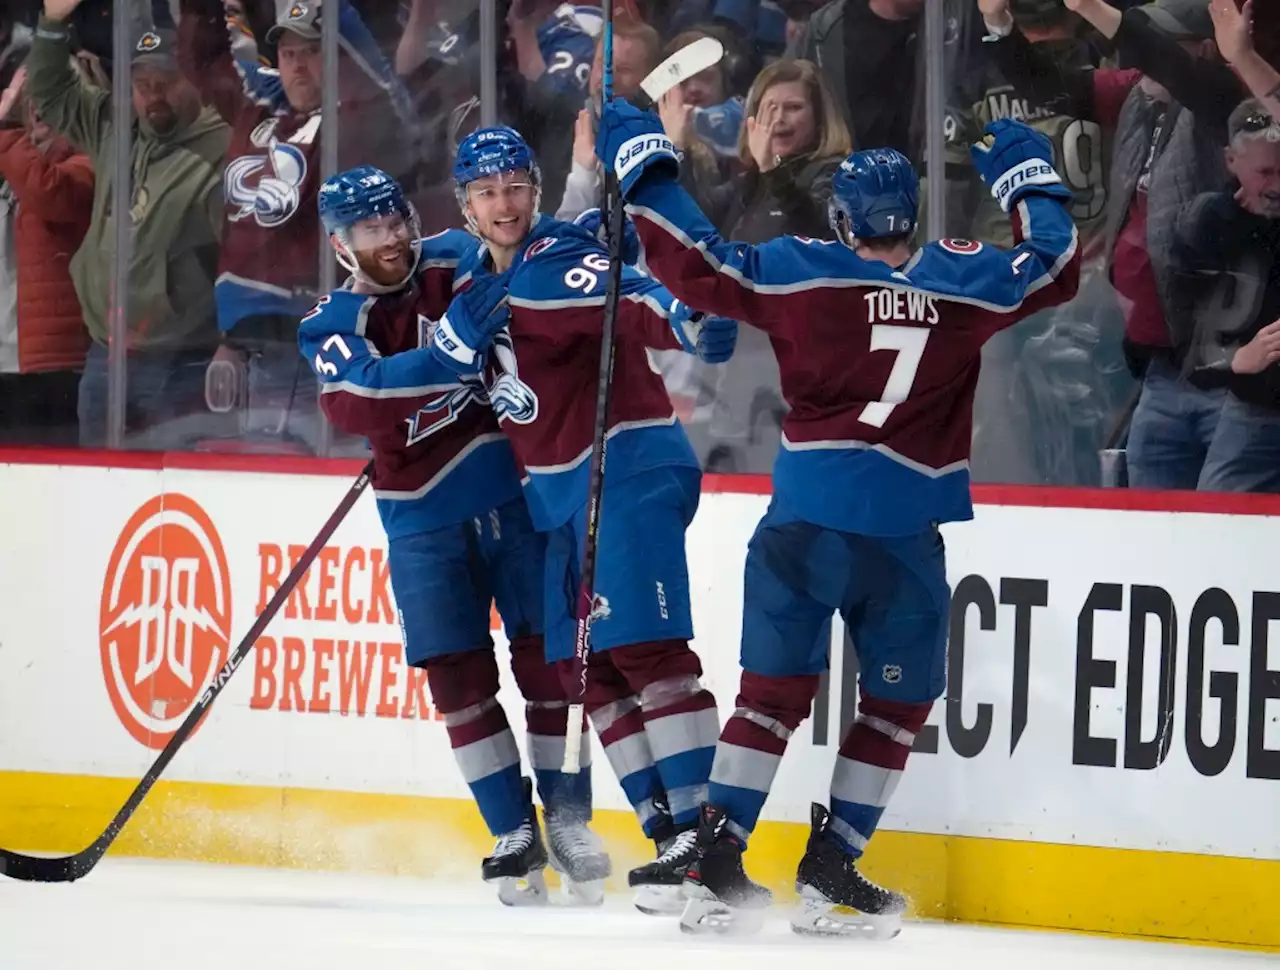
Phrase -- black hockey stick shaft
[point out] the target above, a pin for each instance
(612, 212)
(70, 868)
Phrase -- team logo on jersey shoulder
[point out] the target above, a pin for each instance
(539, 247)
(318, 309)
(961, 247)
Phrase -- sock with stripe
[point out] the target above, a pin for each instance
(464, 688)
(679, 718)
(869, 766)
(769, 709)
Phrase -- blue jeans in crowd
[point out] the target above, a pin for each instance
(164, 400)
(1245, 454)
(1172, 430)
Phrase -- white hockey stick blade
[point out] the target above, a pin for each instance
(689, 60)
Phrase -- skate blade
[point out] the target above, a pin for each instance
(529, 891)
(659, 900)
(704, 913)
(580, 893)
(818, 916)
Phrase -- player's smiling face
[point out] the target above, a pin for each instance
(503, 207)
(382, 248)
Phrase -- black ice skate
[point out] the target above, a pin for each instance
(835, 898)
(719, 897)
(579, 856)
(518, 861)
(656, 884)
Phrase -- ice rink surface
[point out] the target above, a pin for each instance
(137, 915)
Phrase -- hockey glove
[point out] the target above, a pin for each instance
(1013, 159)
(710, 339)
(590, 221)
(630, 142)
(474, 316)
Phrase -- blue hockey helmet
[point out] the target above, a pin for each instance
(361, 193)
(874, 193)
(493, 151)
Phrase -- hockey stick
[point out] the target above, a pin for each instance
(689, 60)
(612, 214)
(72, 867)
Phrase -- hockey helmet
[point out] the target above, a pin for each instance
(361, 193)
(874, 193)
(357, 194)
(493, 151)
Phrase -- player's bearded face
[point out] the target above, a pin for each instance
(382, 248)
(503, 207)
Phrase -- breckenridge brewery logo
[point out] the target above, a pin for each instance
(165, 619)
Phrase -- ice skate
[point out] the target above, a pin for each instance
(719, 896)
(518, 861)
(656, 884)
(835, 898)
(579, 856)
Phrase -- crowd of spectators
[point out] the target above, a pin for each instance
(1164, 373)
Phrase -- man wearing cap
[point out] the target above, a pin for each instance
(1227, 248)
(177, 151)
(1168, 113)
(268, 270)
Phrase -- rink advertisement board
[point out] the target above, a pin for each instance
(1107, 755)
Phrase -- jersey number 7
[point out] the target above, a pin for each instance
(909, 343)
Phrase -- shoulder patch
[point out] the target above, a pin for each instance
(541, 246)
(318, 309)
(961, 247)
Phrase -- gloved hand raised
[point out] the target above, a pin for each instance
(1014, 159)
(710, 339)
(468, 326)
(630, 142)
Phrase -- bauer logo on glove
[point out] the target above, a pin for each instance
(1013, 158)
(634, 152)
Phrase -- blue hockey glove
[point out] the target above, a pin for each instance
(710, 339)
(630, 142)
(468, 326)
(591, 221)
(1013, 159)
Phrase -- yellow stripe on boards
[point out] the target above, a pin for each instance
(1193, 898)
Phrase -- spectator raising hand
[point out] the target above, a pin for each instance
(60, 9)
(10, 96)
(677, 117)
(584, 141)
(760, 133)
(1233, 30)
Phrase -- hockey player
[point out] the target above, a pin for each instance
(657, 723)
(878, 346)
(459, 532)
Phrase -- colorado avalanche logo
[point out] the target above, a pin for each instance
(600, 608)
(274, 199)
(512, 398)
